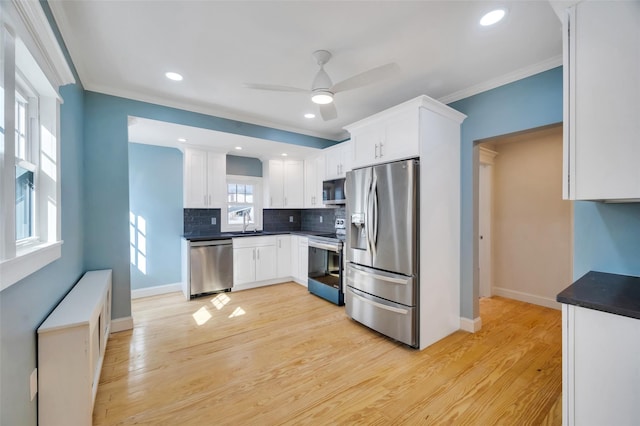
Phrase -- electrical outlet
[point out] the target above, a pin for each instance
(320, 219)
(290, 218)
(33, 383)
(213, 221)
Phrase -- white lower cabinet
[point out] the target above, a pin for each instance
(254, 259)
(71, 347)
(303, 260)
(601, 372)
(284, 256)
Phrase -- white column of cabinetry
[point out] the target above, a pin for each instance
(204, 178)
(71, 347)
(601, 108)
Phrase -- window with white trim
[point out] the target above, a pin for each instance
(243, 209)
(32, 67)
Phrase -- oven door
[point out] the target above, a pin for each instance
(325, 271)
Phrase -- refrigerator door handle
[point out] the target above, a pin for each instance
(373, 216)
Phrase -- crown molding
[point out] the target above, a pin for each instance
(525, 72)
(49, 54)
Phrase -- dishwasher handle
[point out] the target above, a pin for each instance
(210, 243)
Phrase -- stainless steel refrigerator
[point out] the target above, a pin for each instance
(382, 249)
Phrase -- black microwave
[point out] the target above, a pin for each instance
(333, 191)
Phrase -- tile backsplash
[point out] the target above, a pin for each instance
(199, 221)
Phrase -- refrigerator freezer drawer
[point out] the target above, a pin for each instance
(394, 287)
(391, 319)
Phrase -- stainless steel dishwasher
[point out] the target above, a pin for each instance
(210, 266)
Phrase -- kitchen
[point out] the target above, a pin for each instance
(604, 234)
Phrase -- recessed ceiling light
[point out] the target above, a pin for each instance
(173, 76)
(284, 154)
(182, 140)
(493, 17)
(309, 115)
(238, 148)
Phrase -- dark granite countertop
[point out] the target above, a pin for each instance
(612, 293)
(227, 235)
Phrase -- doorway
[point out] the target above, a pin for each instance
(525, 227)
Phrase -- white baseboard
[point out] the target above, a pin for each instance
(526, 297)
(154, 291)
(121, 324)
(470, 325)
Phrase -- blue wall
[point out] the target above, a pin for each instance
(244, 166)
(606, 238)
(25, 305)
(155, 194)
(525, 104)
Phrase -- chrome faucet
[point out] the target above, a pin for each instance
(245, 223)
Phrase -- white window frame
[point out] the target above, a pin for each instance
(257, 203)
(32, 60)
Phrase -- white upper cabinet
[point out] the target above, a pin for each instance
(285, 184)
(338, 160)
(601, 101)
(204, 178)
(388, 136)
(313, 177)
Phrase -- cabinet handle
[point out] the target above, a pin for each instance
(204, 201)
(279, 243)
(254, 254)
(285, 201)
(375, 155)
(258, 250)
(209, 199)
(270, 201)
(381, 154)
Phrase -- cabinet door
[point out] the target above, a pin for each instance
(217, 179)
(293, 184)
(276, 184)
(602, 368)
(401, 137)
(366, 143)
(303, 259)
(313, 177)
(195, 179)
(601, 101)
(244, 265)
(266, 263)
(337, 160)
(295, 256)
(284, 256)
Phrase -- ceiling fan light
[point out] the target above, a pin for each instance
(322, 97)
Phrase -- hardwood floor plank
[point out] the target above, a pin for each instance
(279, 355)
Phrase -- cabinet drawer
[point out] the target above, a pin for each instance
(254, 241)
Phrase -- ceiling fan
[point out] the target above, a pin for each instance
(323, 90)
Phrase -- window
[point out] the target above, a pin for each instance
(29, 141)
(243, 210)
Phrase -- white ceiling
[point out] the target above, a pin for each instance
(124, 48)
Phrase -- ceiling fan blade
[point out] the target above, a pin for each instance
(328, 111)
(274, 87)
(368, 77)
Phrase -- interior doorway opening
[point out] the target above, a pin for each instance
(524, 225)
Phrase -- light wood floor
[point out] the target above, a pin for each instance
(278, 355)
